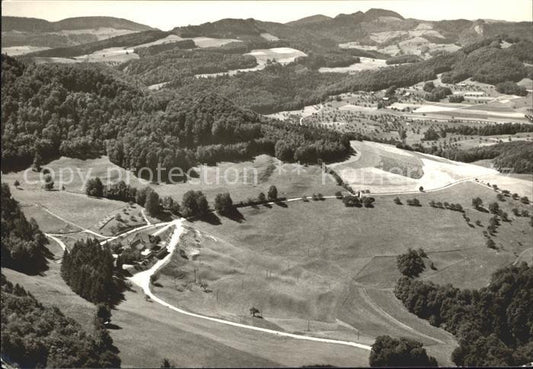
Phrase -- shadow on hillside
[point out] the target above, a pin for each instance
(211, 218)
(281, 204)
(113, 326)
(235, 215)
(164, 216)
(35, 266)
(482, 209)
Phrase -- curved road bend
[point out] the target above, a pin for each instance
(142, 279)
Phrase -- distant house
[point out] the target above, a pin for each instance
(140, 241)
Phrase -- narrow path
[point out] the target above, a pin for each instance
(146, 226)
(60, 243)
(142, 279)
(53, 237)
(145, 217)
(392, 319)
(71, 223)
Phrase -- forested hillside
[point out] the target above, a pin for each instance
(494, 324)
(39, 336)
(293, 86)
(83, 111)
(22, 243)
(515, 156)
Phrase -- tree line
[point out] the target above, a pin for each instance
(494, 324)
(35, 335)
(84, 111)
(89, 271)
(23, 245)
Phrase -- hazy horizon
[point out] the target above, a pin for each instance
(166, 15)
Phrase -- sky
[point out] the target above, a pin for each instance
(166, 15)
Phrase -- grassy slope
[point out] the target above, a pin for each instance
(147, 333)
(242, 180)
(332, 265)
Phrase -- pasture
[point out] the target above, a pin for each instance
(320, 266)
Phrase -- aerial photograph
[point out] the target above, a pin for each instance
(265, 184)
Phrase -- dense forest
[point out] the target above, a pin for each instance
(89, 271)
(176, 64)
(494, 324)
(485, 61)
(39, 336)
(85, 111)
(489, 129)
(22, 243)
(401, 59)
(516, 156)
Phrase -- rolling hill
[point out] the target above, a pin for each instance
(22, 35)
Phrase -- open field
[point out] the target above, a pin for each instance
(21, 50)
(282, 55)
(110, 55)
(365, 64)
(306, 273)
(242, 180)
(384, 168)
(408, 42)
(185, 342)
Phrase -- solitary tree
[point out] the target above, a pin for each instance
(410, 264)
(477, 202)
(166, 363)
(48, 182)
(272, 193)
(37, 161)
(94, 187)
(203, 206)
(494, 208)
(152, 205)
(223, 203)
(261, 197)
(254, 311)
(103, 314)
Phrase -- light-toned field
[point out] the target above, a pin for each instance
(330, 269)
(147, 332)
(384, 168)
(165, 40)
(282, 55)
(101, 33)
(109, 55)
(69, 205)
(212, 42)
(242, 180)
(21, 50)
(364, 64)
(405, 42)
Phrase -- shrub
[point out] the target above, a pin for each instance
(413, 202)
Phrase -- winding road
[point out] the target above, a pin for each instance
(142, 279)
